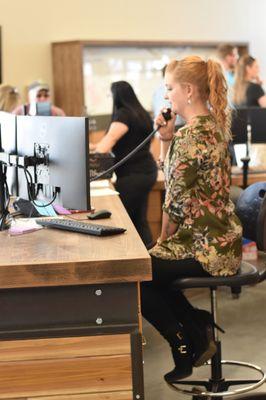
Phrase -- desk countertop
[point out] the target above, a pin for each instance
(53, 258)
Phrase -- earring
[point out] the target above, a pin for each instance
(209, 106)
(189, 100)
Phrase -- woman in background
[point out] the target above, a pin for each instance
(130, 125)
(248, 91)
(39, 94)
(9, 98)
(201, 235)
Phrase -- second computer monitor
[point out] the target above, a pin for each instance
(257, 117)
(239, 125)
(63, 143)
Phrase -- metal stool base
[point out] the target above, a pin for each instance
(199, 393)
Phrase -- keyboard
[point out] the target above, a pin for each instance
(80, 227)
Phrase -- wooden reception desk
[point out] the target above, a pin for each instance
(70, 317)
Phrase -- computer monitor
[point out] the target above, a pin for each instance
(8, 144)
(239, 125)
(257, 118)
(63, 142)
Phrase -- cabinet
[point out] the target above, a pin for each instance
(70, 325)
(84, 70)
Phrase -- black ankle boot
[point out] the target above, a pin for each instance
(199, 327)
(182, 355)
(206, 347)
(176, 375)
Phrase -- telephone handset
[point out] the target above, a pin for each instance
(166, 113)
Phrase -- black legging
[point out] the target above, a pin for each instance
(134, 190)
(161, 306)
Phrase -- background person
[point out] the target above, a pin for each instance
(248, 91)
(9, 98)
(38, 93)
(228, 56)
(130, 125)
(200, 233)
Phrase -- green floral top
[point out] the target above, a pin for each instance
(197, 178)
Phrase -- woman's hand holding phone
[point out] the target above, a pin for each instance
(166, 123)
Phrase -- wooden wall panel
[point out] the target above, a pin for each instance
(68, 78)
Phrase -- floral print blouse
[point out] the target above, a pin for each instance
(197, 179)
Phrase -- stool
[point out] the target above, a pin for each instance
(218, 387)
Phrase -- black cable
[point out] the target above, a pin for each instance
(167, 114)
(121, 162)
(29, 184)
(5, 198)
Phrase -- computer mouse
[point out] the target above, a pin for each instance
(101, 214)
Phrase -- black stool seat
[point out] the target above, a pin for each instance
(247, 275)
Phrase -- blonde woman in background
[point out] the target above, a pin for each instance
(9, 98)
(248, 91)
(200, 235)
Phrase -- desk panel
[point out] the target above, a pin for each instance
(66, 376)
(68, 310)
(69, 306)
(99, 396)
(73, 365)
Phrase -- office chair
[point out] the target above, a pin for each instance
(261, 242)
(217, 386)
(250, 211)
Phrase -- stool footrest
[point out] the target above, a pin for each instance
(191, 383)
(236, 382)
(220, 387)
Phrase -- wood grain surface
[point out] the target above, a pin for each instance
(47, 349)
(51, 257)
(125, 395)
(65, 376)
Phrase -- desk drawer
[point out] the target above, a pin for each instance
(68, 310)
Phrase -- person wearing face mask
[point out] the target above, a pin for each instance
(39, 102)
(248, 91)
(200, 235)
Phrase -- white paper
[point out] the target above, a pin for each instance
(23, 225)
(104, 183)
(103, 192)
(257, 154)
